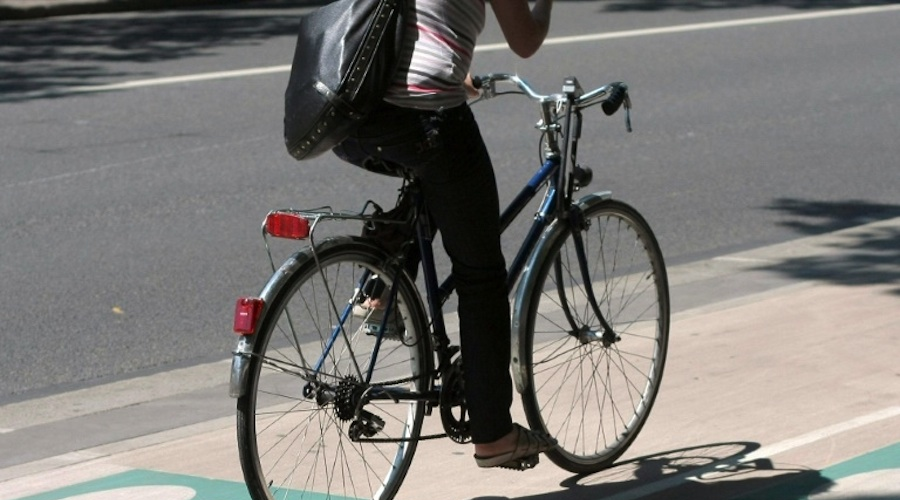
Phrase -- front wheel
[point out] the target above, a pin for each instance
(589, 387)
(323, 413)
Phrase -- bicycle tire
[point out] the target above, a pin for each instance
(568, 374)
(294, 422)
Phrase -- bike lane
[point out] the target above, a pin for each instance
(790, 393)
(873, 475)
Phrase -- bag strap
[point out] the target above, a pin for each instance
(340, 104)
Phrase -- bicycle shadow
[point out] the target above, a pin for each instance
(719, 470)
(867, 256)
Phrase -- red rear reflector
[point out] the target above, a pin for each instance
(287, 225)
(246, 315)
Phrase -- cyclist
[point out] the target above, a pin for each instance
(424, 125)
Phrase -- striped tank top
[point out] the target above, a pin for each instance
(437, 53)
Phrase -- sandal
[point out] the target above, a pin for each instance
(371, 309)
(373, 320)
(525, 455)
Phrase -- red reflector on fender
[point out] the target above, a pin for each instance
(246, 315)
(287, 225)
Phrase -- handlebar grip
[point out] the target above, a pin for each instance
(477, 82)
(615, 99)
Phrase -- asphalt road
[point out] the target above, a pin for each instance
(130, 215)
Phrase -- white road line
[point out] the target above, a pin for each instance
(736, 23)
(764, 452)
(219, 75)
(826, 432)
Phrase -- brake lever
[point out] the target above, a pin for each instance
(485, 88)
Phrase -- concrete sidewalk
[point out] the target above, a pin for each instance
(759, 393)
(784, 385)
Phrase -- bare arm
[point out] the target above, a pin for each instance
(523, 28)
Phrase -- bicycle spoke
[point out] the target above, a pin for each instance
(308, 429)
(590, 387)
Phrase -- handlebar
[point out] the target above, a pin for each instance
(611, 96)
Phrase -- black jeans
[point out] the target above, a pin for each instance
(445, 151)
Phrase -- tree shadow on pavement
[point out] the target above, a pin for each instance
(59, 53)
(720, 470)
(869, 255)
(46, 58)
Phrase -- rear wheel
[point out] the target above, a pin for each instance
(318, 418)
(590, 388)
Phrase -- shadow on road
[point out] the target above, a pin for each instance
(720, 470)
(54, 54)
(76, 51)
(870, 256)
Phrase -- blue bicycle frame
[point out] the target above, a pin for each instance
(556, 203)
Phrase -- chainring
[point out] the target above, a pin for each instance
(454, 412)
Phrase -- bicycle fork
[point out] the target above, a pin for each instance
(606, 335)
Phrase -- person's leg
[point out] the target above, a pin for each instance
(461, 192)
(462, 197)
(447, 154)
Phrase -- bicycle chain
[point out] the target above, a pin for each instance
(386, 383)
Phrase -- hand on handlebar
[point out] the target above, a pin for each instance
(471, 91)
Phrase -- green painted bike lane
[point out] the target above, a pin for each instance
(873, 475)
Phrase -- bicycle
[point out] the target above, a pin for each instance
(327, 407)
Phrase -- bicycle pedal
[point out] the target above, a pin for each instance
(522, 463)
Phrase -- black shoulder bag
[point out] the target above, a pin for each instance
(346, 56)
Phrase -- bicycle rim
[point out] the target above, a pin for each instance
(302, 406)
(594, 393)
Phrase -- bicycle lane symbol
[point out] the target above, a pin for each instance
(872, 475)
(148, 485)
